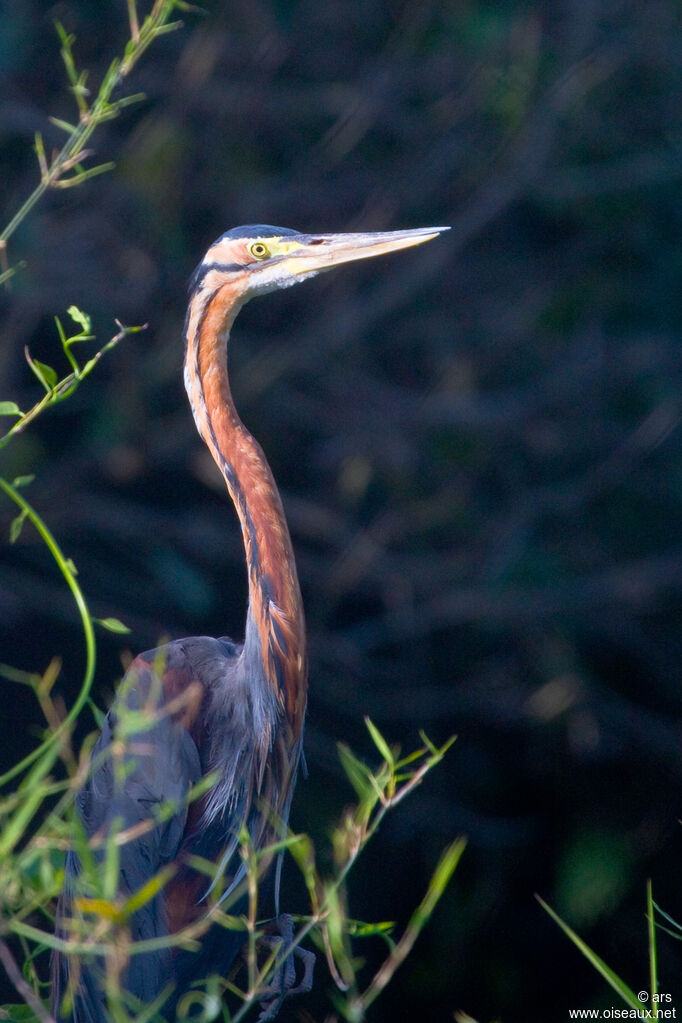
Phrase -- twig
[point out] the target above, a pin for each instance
(24, 989)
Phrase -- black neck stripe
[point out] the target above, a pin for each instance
(228, 268)
(205, 268)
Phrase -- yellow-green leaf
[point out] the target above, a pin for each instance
(612, 978)
(46, 374)
(147, 892)
(22, 481)
(103, 908)
(81, 318)
(358, 774)
(16, 526)
(10, 408)
(380, 742)
(112, 625)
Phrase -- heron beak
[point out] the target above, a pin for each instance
(322, 252)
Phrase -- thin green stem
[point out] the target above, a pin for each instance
(14, 973)
(73, 150)
(653, 957)
(65, 387)
(444, 871)
(447, 865)
(50, 744)
(134, 22)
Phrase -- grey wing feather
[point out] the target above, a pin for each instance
(155, 768)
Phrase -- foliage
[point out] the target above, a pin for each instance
(647, 1004)
(70, 159)
(32, 867)
(619, 986)
(57, 390)
(65, 169)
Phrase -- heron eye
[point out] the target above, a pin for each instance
(259, 250)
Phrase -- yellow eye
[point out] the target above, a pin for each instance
(259, 250)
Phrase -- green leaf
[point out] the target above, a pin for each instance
(112, 625)
(445, 868)
(81, 318)
(339, 943)
(380, 742)
(16, 526)
(60, 330)
(49, 374)
(98, 714)
(11, 270)
(147, 892)
(131, 330)
(14, 829)
(46, 375)
(618, 985)
(22, 481)
(437, 885)
(64, 125)
(64, 38)
(81, 175)
(438, 752)
(303, 853)
(653, 953)
(18, 1014)
(358, 774)
(127, 101)
(112, 856)
(10, 408)
(363, 930)
(105, 909)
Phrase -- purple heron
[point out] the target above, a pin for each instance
(231, 710)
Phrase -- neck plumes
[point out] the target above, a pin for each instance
(275, 623)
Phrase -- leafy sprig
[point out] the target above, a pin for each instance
(56, 389)
(101, 921)
(66, 168)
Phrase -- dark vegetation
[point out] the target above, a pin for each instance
(478, 443)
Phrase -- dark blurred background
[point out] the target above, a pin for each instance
(477, 442)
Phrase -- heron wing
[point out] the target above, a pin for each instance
(134, 805)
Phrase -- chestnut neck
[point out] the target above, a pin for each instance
(275, 622)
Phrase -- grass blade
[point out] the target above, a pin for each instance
(618, 985)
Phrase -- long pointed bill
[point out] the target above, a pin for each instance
(324, 251)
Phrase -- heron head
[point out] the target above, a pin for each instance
(259, 258)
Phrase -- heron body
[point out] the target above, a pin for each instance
(234, 711)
